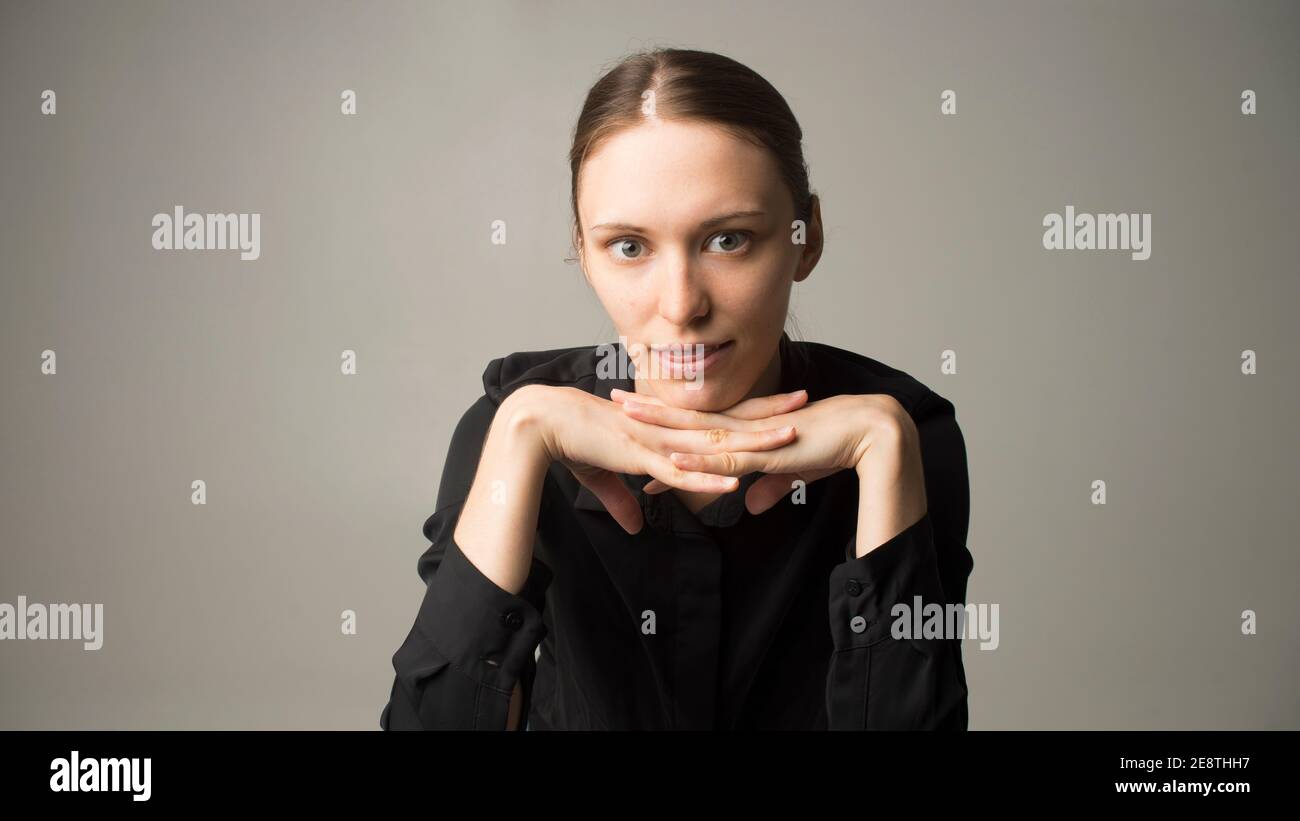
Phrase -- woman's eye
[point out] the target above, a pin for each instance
(728, 241)
(627, 248)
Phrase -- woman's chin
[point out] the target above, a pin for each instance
(700, 395)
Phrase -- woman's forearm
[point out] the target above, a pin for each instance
(891, 487)
(498, 523)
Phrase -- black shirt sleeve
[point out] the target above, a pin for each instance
(472, 640)
(880, 679)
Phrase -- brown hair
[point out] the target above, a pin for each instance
(692, 85)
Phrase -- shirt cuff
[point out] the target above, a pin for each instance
(864, 590)
(483, 630)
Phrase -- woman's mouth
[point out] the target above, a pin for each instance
(692, 356)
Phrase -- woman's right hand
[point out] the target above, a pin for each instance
(596, 440)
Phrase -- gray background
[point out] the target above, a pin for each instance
(1072, 366)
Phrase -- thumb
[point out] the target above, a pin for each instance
(767, 490)
(773, 487)
(615, 496)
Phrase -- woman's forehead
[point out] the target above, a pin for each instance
(676, 169)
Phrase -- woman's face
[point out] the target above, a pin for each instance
(687, 239)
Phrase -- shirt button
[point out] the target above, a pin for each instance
(655, 513)
(858, 624)
(852, 587)
(512, 619)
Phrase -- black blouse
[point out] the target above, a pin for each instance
(715, 620)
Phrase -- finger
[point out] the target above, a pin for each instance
(654, 486)
(761, 407)
(661, 468)
(729, 463)
(616, 499)
(717, 440)
(619, 395)
(682, 418)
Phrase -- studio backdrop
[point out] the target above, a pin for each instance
(217, 461)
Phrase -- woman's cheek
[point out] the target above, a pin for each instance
(764, 290)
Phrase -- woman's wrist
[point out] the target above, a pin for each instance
(883, 425)
(523, 425)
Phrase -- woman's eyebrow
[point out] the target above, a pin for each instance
(708, 223)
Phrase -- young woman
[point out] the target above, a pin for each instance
(708, 525)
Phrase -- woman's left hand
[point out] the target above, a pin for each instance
(857, 431)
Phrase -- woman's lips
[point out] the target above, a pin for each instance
(692, 355)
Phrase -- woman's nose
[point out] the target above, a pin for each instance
(682, 296)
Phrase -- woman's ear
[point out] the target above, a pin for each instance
(576, 237)
(813, 242)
